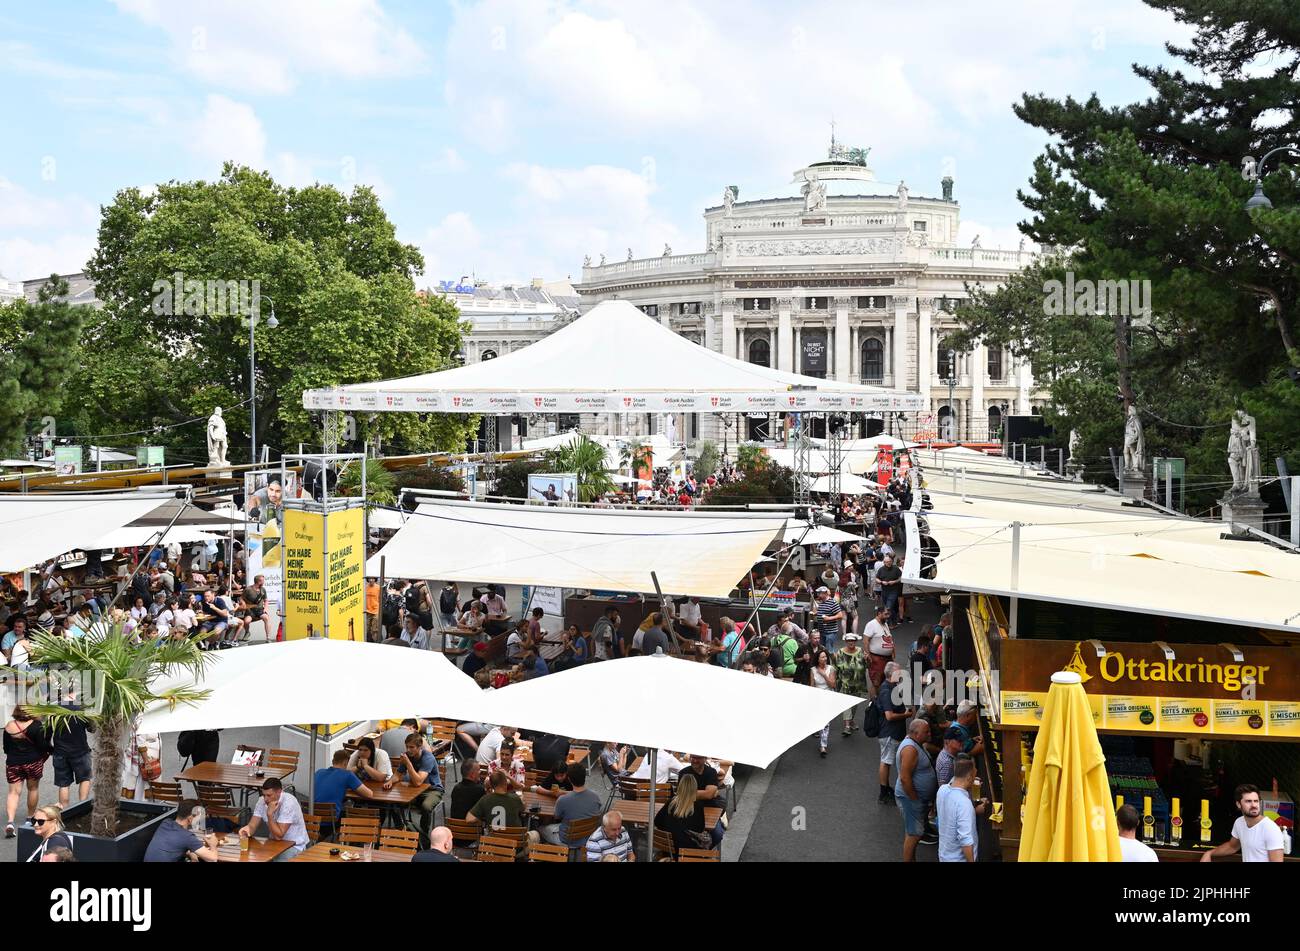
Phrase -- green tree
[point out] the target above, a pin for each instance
(586, 459)
(512, 478)
(1153, 191)
(39, 350)
(329, 264)
(769, 483)
(750, 458)
(125, 676)
(706, 459)
(381, 486)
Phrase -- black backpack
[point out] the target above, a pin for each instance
(392, 609)
(873, 720)
(185, 741)
(447, 601)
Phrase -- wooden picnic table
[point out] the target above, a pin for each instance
(393, 802)
(228, 774)
(259, 850)
(320, 852)
(636, 812)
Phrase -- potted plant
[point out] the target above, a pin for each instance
(121, 672)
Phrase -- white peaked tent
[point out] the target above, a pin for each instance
(820, 535)
(666, 703)
(129, 535)
(612, 359)
(850, 484)
(604, 549)
(319, 681)
(36, 528)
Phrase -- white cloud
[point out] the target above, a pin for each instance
(1007, 237)
(24, 259)
(448, 162)
(254, 45)
(228, 131)
(41, 234)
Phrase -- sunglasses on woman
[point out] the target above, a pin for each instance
(39, 822)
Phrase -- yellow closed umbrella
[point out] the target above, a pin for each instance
(1068, 816)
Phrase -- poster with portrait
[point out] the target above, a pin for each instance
(264, 496)
(552, 488)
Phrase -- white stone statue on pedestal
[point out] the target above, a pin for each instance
(728, 199)
(217, 442)
(902, 196)
(1243, 454)
(1135, 452)
(814, 194)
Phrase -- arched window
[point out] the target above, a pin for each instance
(995, 421)
(947, 429)
(488, 355)
(873, 360)
(760, 352)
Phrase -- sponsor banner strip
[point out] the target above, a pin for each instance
(501, 403)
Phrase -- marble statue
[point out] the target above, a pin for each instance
(1243, 454)
(668, 251)
(902, 194)
(217, 442)
(975, 244)
(602, 260)
(1135, 452)
(946, 184)
(814, 194)
(1021, 247)
(629, 254)
(728, 199)
(586, 260)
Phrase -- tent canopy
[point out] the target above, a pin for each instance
(36, 528)
(667, 703)
(850, 484)
(612, 359)
(319, 681)
(820, 535)
(130, 535)
(604, 549)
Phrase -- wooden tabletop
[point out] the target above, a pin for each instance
(402, 794)
(320, 852)
(227, 774)
(636, 812)
(259, 850)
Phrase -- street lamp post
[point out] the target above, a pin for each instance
(1253, 171)
(271, 324)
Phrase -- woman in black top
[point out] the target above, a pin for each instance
(47, 821)
(26, 748)
(683, 815)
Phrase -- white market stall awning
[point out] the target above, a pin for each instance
(667, 703)
(820, 535)
(385, 519)
(131, 535)
(319, 681)
(184, 513)
(696, 553)
(850, 484)
(613, 359)
(36, 528)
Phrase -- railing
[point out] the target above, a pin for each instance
(638, 266)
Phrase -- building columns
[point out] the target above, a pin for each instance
(785, 337)
(728, 328)
(843, 342)
(979, 367)
(900, 343)
(924, 350)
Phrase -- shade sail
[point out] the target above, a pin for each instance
(849, 483)
(129, 535)
(820, 534)
(319, 681)
(606, 549)
(1129, 559)
(667, 703)
(612, 359)
(1069, 816)
(190, 515)
(36, 528)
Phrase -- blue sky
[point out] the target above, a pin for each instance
(508, 138)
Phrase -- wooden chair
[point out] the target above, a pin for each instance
(313, 823)
(464, 833)
(542, 852)
(494, 848)
(663, 845)
(533, 777)
(282, 759)
(640, 789)
(362, 812)
(399, 840)
(577, 834)
(164, 792)
(358, 831)
(698, 855)
(217, 801)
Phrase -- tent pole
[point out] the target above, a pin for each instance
(311, 771)
(753, 615)
(650, 827)
(1013, 621)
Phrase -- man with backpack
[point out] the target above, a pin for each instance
(887, 721)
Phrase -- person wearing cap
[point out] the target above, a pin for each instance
(968, 723)
(477, 659)
(851, 675)
(947, 758)
(786, 623)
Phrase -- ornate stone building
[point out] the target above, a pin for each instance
(845, 285)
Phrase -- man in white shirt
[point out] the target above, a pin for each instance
(489, 750)
(1133, 850)
(880, 646)
(284, 822)
(604, 631)
(1254, 835)
(666, 766)
(494, 606)
(413, 634)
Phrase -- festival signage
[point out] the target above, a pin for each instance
(1204, 689)
(324, 567)
(304, 574)
(884, 466)
(345, 574)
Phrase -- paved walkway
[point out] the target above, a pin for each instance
(825, 809)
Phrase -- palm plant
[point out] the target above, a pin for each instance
(586, 459)
(636, 457)
(381, 486)
(123, 674)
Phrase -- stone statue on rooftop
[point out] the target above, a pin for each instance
(217, 440)
(1243, 454)
(1135, 453)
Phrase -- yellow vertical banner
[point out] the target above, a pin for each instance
(346, 531)
(304, 574)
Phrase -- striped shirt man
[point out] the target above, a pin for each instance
(602, 844)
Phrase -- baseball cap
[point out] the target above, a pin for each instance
(822, 587)
(952, 733)
(966, 706)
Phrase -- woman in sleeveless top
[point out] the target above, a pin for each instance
(25, 749)
(823, 678)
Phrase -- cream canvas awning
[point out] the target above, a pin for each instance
(696, 553)
(666, 703)
(36, 528)
(131, 535)
(613, 359)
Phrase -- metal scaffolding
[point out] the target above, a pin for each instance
(802, 458)
(490, 451)
(835, 427)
